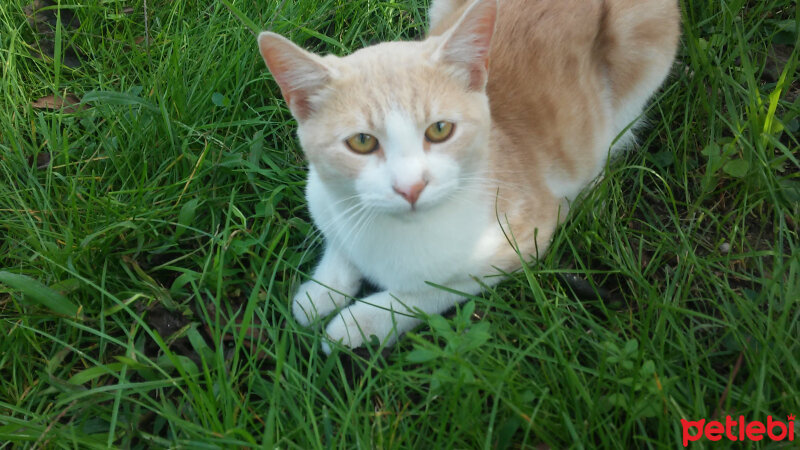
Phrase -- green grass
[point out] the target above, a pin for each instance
(149, 261)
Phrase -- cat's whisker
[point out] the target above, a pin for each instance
(354, 211)
(317, 233)
(488, 191)
(366, 217)
(339, 216)
(358, 197)
(310, 244)
(489, 182)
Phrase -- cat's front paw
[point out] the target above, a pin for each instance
(313, 301)
(372, 316)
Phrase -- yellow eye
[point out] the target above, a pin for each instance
(439, 131)
(362, 143)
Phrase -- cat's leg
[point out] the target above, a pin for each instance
(335, 280)
(388, 316)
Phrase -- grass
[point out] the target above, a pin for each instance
(152, 237)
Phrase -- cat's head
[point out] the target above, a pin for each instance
(401, 126)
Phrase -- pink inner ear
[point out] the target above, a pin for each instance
(295, 97)
(297, 72)
(477, 78)
(281, 68)
(470, 42)
(278, 67)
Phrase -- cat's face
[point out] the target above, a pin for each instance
(396, 129)
(400, 126)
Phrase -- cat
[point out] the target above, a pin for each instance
(450, 160)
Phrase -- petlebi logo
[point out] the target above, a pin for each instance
(738, 429)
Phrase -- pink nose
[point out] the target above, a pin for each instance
(411, 193)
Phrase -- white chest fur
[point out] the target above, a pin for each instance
(400, 253)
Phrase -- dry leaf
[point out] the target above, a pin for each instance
(777, 58)
(42, 160)
(46, 49)
(43, 17)
(254, 335)
(68, 104)
(44, 20)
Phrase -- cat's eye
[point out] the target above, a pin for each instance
(439, 131)
(362, 143)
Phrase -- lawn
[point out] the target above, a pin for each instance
(153, 230)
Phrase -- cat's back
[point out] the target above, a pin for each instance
(538, 48)
(572, 65)
(543, 79)
(567, 44)
(565, 76)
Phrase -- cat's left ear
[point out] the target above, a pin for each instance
(300, 74)
(466, 45)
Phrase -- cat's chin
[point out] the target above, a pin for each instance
(409, 212)
(404, 212)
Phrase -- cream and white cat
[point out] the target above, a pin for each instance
(428, 159)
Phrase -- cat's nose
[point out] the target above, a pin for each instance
(411, 193)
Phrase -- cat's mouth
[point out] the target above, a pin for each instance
(409, 215)
(413, 211)
(398, 206)
(403, 211)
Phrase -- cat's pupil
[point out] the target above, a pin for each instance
(363, 138)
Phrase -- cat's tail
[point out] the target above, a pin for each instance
(637, 42)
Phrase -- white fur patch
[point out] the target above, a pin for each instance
(405, 157)
(334, 281)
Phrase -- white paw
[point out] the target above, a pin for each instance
(313, 301)
(355, 325)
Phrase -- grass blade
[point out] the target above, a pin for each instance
(37, 293)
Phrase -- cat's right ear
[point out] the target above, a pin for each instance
(466, 45)
(300, 74)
